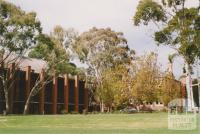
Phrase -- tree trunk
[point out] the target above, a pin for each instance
(7, 102)
(26, 107)
(6, 95)
(108, 109)
(4, 81)
(102, 107)
(189, 100)
(7, 87)
(170, 68)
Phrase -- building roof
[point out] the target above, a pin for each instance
(36, 64)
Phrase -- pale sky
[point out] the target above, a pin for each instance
(85, 14)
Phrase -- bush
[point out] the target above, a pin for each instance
(64, 111)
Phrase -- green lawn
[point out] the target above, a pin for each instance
(155, 123)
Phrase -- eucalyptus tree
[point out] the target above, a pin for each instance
(101, 49)
(54, 50)
(178, 27)
(147, 78)
(117, 87)
(18, 32)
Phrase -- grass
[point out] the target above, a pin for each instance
(155, 123)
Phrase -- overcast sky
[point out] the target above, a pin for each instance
(85, 14)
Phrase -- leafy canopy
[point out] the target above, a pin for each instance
(179, 25)
(101, 47)
(18, 29)
(52, 49)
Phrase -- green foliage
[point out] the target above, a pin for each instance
(170, 89)
(18, 30)
(180, 28)
(52, 49)
(150, 84)
(115, 86)
(149, 10)
(102, 45)
(103, 50)
(171, 3)
(147, 78)
(44, 46)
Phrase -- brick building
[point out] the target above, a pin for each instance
(63, 94)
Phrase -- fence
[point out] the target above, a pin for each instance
(61, 94)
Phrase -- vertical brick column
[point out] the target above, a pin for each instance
(16, 96)
(76, 93)
(11, 87)
(183, 94)
(183, 91)
(54, 95)
(41, 94)
(85, 98)
(66, 92)
(28, 82)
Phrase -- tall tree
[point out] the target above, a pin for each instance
(116, 87)
(170, 89)
(18, 32)
(147, 79)
(101, 49)
(179, 28)
(54, 50)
